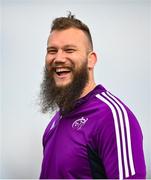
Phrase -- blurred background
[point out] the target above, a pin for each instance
(121, 31)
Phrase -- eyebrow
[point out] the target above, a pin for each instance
(51, 47)
(66, 46)
(70, 46)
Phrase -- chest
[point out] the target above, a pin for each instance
(67, 143)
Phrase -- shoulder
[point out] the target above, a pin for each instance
(116, 116)
(115, 105)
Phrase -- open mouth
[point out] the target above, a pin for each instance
(62, 71)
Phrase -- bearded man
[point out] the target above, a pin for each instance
(93, 134)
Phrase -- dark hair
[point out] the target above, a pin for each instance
(62, 23)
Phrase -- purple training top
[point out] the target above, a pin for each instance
(101, 138)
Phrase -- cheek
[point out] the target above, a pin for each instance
(48, 60)
(80, 61)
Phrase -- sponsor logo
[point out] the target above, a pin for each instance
(79, 123)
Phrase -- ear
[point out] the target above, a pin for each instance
(92, 59)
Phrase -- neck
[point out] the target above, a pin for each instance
(89, 87)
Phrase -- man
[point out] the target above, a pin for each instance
(93, 134)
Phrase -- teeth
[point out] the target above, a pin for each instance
(58, 70)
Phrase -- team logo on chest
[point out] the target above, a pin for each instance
(79, 123)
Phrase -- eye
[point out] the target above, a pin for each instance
(70, 50)
(51, 51)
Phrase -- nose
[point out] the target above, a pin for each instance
(60, 57)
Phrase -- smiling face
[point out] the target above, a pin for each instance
(68, 71)
(67, 51)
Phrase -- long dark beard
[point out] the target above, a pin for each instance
(52, 97)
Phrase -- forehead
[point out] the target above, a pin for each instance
(68, 36)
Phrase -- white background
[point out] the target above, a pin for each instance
(121, 31)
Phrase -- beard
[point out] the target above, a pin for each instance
(53, 97)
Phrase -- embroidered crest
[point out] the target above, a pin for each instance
(77, 124)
